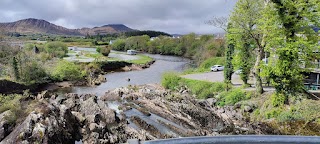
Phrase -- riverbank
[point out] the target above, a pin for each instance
(97, 77)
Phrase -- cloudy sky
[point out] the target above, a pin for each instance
(172, 16)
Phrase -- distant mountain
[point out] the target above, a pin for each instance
(32, 26)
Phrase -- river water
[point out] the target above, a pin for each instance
(147, 76)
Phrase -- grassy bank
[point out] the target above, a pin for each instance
(202, 89)
(206, 65)
(143, 59)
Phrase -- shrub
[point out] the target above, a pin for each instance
(32, 72)
(66, 70)
(202, 89)
(105, 50)
(273, 113)
(171, 80)
(56, 49)
(278, 99)
(98, 49)
(232, 97)
(119, 45)
(12, 103)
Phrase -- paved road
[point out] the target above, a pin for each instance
(218, 77)
(214, 77)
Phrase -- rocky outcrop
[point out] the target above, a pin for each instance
(6, 126)
(139, 112)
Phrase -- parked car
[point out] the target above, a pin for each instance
(217, 68)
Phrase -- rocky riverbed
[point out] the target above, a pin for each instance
(145, 112)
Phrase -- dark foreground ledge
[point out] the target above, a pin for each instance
(247, 139)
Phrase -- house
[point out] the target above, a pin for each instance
(131, 52)
(153, 38)
(111, 42)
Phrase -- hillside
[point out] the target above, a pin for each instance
(32, 26)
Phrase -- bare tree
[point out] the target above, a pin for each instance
(219, 22)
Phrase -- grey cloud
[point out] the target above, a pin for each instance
(172, 16)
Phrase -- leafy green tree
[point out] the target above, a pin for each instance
(245, 20)
(119, 45)
(33, 73)
(105, 50)
(291, 41)
(15, 68)
(66, 70)
(228, 71)
(246, 60)
(56, 49)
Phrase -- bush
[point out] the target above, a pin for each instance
(119, 45)
(232, 97)
(12, 103)
(278, 99)
(273, 113)
(56, 49)
(105, 50)
(171, 80)
(66, 70)
(32, 72)
(202, 89)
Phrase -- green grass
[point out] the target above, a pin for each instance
(206, 65)
(143, 59)
(202, 89)
(94, 55)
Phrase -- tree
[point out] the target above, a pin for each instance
(56, 49)
(119, 45)
(245, 23)
(229, 56)
(15, 68)
(66, 70)
(245, 58)
(291, 40)
(105, 50)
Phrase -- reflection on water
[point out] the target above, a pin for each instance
(147, 76)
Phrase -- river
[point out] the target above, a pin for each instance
(147, 76)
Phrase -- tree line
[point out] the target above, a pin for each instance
(198, 48)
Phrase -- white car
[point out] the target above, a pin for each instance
(217, 68)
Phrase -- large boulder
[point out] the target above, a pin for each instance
(5, 125)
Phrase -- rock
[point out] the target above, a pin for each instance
(72, 95)
(212, 101)
(5, 126)
(221, 110)
(38, 131)
(85, 97)
(93, 127)
(247, 109)
(79, 116)
(113, 95)
(43, 95)
(109, 116)
(93, 118)
(90, 107)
